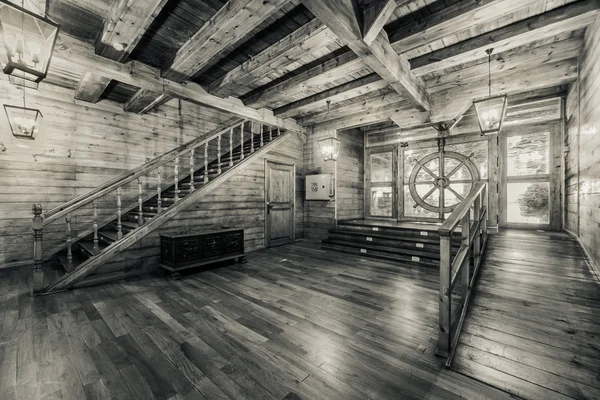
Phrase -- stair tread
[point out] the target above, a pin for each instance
(382, 255)
(379, 235)
(78, 259)
(386, 249)
(88, 246)
(112, 234)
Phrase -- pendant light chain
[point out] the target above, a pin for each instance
(489, 52)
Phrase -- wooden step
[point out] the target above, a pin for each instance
(362, 235)
(389, 241)
(426, 232)
(406, 260)
(78, 258)
(87, 247)
(109, 236)
(407, 253)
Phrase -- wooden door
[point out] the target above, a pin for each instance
(381, 182)
(530, 177)
(279, 203)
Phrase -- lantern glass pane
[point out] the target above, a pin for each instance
(26, 43)
(330, 148)
(490, 113)
(24, 122)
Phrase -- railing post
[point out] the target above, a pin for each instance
(140, 203)
(95, 226)
(176, 177)
(38, 226)
(465, 271)
(159, 193)
(278, 132)
(251, 137)
(445, 317)
(270, 133)
(484, 201)
(242, 141)
(205, 162)
(119, 212)
(219, 155)
(192, 188)
(69, 266)
(231, 148)
(262, 143)
(478, 211)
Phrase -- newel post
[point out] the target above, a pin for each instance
(38, 225)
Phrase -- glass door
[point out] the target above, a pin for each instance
(380, 180)
(528, 194)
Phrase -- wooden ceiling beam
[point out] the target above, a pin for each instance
(78, 56)
(568, 18)
(274, 60)
(375, 16)
(341, 17)
(90, 87)
(144, 100)
(409, 116)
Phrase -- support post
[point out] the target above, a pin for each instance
(219, 155)
(206, 162)
(192, 188)
(478, 211)
(119, 213)
(95, 227)
(69, 266)
(159, 192)
(176, 178)
(465, 271)
(231, 148)
(38, 226)
(445, 295)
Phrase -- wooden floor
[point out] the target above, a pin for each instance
(534, 324)
(295, 322)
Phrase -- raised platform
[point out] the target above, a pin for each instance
(411, 243)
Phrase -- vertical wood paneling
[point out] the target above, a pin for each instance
(350, 172)
(583, 138)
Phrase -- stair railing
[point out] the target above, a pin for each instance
(156, 168)
(461, 269)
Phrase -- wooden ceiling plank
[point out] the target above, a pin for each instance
(309, 37)
(126, 23)
(77, 55)
(228, 26)
(375, 16)
(564, 19)
(340, 16)
(144, 100)
(90, 87)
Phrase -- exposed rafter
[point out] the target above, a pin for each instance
(375, 16)
(90, 87)
(341, 17)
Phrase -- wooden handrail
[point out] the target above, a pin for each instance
(459, 212)
(129, 176)
(457, 268)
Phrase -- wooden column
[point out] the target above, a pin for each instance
(69, 266)
(219, 155)
(192, 188)
(159, 192)
(231, 148)
(38, 225)
(445, 296)
(119, 223)
(206, 162)
(95, 226)
(176, 178)
(242, 140)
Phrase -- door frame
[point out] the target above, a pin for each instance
(267, 239)
(553, 177)
(367, 180)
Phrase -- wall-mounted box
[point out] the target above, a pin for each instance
(320, 187)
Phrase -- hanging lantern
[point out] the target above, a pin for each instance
(492, 109)
(24, 122)
(330, 148)
(26, 42)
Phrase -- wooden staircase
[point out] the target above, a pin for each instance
(82, 255)
(406, 243)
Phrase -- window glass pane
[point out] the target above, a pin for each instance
(409, 203)
(528, 203)
(381, 167)
(528, 154)
(477, 153)
(381, 201)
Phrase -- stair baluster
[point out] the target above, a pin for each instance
(176, 178)
(140, 203)
(206, 162)
(119, 222)
(251, 137)
(69, 266)
(262, 142)
(231, 148)
(158, 193)
(219, 155)
(95, 226)
(278, 132)
(192, 188)
(242, 141)
(270, 133)
(38, 226)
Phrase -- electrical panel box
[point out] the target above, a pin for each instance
(320, 187)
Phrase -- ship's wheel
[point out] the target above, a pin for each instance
(441, 174)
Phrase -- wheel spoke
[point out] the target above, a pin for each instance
(426, 169)
(462, 181)
(458, 196)
(426, 196)
(463, 162)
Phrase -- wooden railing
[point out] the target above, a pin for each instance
(154, 169)
(460, 270)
